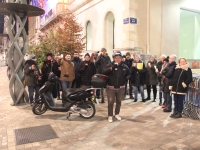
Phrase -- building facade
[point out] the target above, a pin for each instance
(144, 26)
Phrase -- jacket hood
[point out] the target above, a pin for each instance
(30, 62)
(184, 67)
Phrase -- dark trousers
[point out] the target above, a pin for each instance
(114, 94)
(58, 89)
(168, 100)
(178, 102)
(77, 82)
(98, 92)
(31, 90)
(130, 87)
(149, 91)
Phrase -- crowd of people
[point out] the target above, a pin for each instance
(126, 75)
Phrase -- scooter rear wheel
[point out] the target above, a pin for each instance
(91, 110)
(39, 109)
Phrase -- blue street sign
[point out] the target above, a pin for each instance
(133, 20)
(126, 20)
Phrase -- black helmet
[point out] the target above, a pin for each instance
(117, 53)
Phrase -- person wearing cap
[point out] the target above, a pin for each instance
(102, 61)
(87, 70)
(77, 61)
(151, 78)
(159, 67)
(49, 65)
(32, 77)
(117, 73)
(168, 73)
(128, 61)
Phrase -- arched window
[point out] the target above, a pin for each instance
(110, 32)
(89, 36)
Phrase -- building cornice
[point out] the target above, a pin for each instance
(81, 5)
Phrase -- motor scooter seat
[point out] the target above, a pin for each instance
(68, 91)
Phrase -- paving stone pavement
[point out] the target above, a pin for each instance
(143, 127)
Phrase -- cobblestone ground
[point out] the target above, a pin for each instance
(143, 127)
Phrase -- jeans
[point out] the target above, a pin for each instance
(65, 85)
(149, 91)
(168, 100)
(114, 94)
(178, 102)
(31, 90)
(135, 91)
(130, 87)
(77, 82)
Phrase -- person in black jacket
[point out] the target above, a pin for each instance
(159, 67)
(179, 85)
(102, 61)
(151, 78)
(49, 65)
(138, 77)
(128, 61)
(117, 73)
(33, 77)
(87, 70)
(168, 74)
(77, 61)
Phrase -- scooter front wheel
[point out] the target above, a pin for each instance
(91, 110)
(39, 109)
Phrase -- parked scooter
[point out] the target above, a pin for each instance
(75, 100)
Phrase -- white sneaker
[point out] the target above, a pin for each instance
(110, 119)
(118, 117)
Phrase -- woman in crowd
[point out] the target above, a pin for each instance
(138, 77)
(87, 70)
(151, 78)
(179, 84)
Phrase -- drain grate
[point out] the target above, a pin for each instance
(34, 134)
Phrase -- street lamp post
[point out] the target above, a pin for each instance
(17, 11)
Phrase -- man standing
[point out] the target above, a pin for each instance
(102, 61)
(128, 62)
(87, 70)
(118, 73)
(32, 77)
(77, 61)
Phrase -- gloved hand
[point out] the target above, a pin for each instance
(184, 85)
(170, 88)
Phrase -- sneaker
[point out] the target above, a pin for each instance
(166, 110)
(118, 117)
(135, 100)
(110, 119)
(164, 106)
(131, 97)
(174, 113)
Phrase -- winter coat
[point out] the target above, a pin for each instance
(168, 74)
(182, 77)
(47, 67)
(87, 72)
(138, 75)
(102, 62)
(159, 67)
(67, 68)
(118, 76)
(31, 76)
(128, 62)
(151, 75)
(77, 61)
